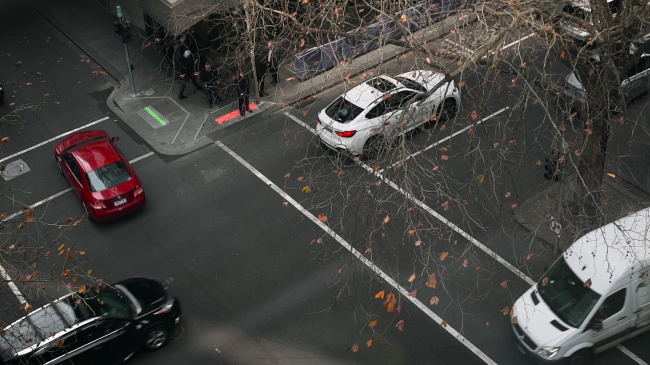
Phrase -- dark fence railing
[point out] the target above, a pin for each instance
(318, 59)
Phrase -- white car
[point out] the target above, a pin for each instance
(364, 118)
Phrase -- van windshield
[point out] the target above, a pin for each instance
(566, 294)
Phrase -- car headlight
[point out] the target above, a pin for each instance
(167, 307)
(548, 351)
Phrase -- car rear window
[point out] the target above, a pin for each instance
(343, 110)
(108, 176)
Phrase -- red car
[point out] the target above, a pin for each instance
(100, 174)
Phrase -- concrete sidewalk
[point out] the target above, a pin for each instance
(174, 127)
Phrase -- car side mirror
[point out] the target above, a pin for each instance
(115, 138)
(596, 324)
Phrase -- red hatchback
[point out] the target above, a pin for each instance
(100, 174)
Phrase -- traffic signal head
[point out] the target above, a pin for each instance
(126, 32)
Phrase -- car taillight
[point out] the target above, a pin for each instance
(319, 122)
(99, 205)
(137, 192)
(581, 26)
(346, 134)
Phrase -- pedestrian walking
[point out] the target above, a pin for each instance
(243, 89)
(260, 71)
(187, 67)
(211, 83)
(272, 63)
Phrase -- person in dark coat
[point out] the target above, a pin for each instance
(260, 70)
(243, 89)
(187, 69)
(272, 63)
(211, 83)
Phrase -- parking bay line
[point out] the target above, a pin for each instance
(3, 273)
(449, 137)
(359, 256)
(53, 139)
(438, 216)
(449, 224)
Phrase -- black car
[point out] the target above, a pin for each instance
(102, 325)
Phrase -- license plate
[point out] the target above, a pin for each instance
(120, 202)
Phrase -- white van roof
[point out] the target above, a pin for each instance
(613, 254)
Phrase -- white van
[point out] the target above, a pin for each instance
(595, 296)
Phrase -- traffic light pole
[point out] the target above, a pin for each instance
(120, 15)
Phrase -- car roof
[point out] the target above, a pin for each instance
(94, 155)
(27, 333)
(365, 94)
(614, 254)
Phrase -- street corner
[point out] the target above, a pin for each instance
(229, 115)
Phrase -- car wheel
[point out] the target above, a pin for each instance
(447, 110)
(374, 147)
(155, 338)
(582, 357)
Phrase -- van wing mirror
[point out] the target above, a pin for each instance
(596, 324)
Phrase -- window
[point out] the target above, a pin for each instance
(400, 100)
(381, 84)
(73, 166)
(566, 295)
(379, 110)
(108, 176)
(612, 305)
(342, 110)
(411, 84)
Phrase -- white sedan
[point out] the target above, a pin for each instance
(364, 118)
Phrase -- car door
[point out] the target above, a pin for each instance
(72, 172)
(613, 313)
(106, 342)
(638, 78)
(395, 111)
(377, 117)
(641, 310)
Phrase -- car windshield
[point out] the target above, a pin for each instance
(108, 176)
(411, 84)
(342, 110)
(566, 295)
(107, 302)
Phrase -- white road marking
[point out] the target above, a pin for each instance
(52, 139)
(460, 46)
(360, 256)
(12, 286)
(448, 137)
(444, 220)
(3, 273)
(517, 41)
(297, 120)
(52, 197)
(632, 356)
(449, 224)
